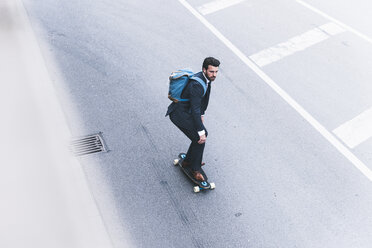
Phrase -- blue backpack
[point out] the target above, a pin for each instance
(178, 81)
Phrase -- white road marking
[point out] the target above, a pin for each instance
(217, 5)
(322, 130)
(296, 44)
(348, 28)
(357, 130)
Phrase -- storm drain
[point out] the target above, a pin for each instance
(88, 145)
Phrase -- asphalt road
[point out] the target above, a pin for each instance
(279, 181)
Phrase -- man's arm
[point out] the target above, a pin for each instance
(205, 100)
(196, 95)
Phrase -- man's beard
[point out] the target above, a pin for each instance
(211, 79)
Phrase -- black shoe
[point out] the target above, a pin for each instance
(185, 164)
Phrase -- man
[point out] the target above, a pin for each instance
(188, 116)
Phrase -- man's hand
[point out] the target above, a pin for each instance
(202, 118)
(202, 140)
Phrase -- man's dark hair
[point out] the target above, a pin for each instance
(210, 61)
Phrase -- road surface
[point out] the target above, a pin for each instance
(292, 94)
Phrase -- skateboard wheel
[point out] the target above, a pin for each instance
(196, 189)
(175, 162)
(213, 186)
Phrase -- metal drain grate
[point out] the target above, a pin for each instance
(88, 145)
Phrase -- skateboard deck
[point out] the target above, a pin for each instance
(200, 185)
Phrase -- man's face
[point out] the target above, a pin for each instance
(211, 72)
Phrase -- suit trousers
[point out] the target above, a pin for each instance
(195, 152)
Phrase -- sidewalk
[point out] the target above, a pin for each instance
(45, 199)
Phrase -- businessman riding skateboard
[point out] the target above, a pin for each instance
(190, 95)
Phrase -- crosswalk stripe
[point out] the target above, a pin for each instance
(296, 44)
(217, 5)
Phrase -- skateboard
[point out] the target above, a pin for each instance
(204, 185)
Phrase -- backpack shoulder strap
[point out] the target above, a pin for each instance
(200, 81)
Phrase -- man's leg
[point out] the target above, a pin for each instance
(195, 152)
(196, 155)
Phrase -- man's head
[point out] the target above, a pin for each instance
(210, 68)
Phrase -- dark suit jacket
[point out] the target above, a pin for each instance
(188, 114)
